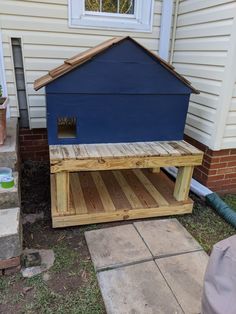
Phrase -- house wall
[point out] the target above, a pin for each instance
(229, 138)
(203, 53)
(47, 41)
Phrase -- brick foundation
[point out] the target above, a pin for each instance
(33, 145)
(218, 171)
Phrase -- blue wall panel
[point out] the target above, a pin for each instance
(122, 95)
(123, 69)
(118, 118)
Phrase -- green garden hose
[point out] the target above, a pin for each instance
(222, 208)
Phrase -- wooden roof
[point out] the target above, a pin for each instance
(74, 62)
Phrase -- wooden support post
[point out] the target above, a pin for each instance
(62, 192)
(156, 170)
(182, 184)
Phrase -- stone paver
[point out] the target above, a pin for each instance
(10, 233)
(166, 237)
(185, 274)
(116, 246)
(137, 289)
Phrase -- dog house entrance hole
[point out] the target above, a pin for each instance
(66, 127)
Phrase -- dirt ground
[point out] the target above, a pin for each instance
(71, 286)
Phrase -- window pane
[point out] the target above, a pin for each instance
(109, 6)
(92, 5)
(126, 7)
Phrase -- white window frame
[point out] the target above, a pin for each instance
(140, 21)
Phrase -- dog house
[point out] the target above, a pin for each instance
(117, 106)
(118, 92)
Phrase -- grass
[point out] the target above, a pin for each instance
(206, 226)
(43, 296)
(64, 258)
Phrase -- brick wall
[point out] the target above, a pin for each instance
(33, 144)
(218, 171)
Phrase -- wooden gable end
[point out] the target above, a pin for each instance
(125, 68)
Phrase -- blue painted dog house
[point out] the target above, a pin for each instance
(116, 92)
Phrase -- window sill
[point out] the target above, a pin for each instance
(110, 23)
(141, 21)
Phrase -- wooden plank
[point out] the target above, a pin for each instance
(123, 150)
(177, 209)
(105, 150)
(90, 192)
(171, 150)
(102, 190)
(156, 170)
(141, 192)
(131, 196)
(191, 148)
(92, 150)
(124, 163)
(78, 197)
(67, 152)
(62, 192)
(163, 184)
(181, 149)
(158, 149)
(53, 196)
(182, 184)
(161, 201)
(115, 190)
(115, 150)
(55, 152)
(80, 151)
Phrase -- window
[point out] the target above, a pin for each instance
(125, 15)
(66, 127)
(110, 6)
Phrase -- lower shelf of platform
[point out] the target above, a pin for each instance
(104, 196)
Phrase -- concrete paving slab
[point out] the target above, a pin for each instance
(116, 246)
(184, 275)
(166, 237)
(10, 233)
(137, 289)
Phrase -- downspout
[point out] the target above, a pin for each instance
(211, 198)
(174, 31)
(165, 31)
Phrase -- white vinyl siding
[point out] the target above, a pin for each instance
(47, 41)
(201, 49)
(229, 139)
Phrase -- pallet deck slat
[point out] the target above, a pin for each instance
(123, 209)
(92, 183)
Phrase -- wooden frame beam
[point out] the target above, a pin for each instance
(94, 164)
(62, 191)
(182, 184)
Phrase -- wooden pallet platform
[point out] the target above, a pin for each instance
(102, 196)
